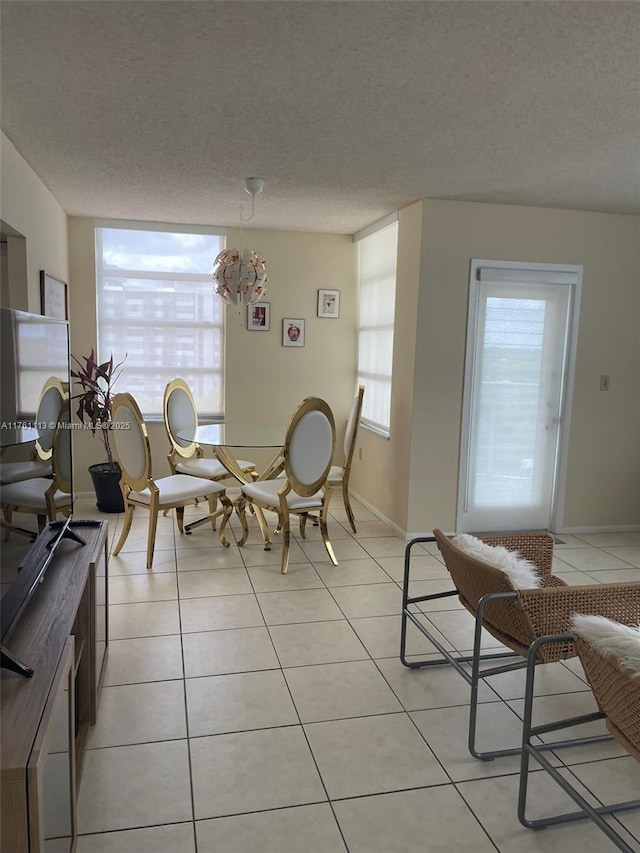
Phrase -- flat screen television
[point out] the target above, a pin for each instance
(32, 349)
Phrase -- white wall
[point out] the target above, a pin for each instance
(603, 482)
(29, 207)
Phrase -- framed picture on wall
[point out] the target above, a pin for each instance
(292, 332)
(53, 297)
(329, 303)
(258, 317)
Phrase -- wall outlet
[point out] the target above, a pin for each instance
(604, 383)
(360, 454)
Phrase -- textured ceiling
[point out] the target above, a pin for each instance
(348, 110)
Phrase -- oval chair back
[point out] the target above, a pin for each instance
(309, 446)
(180, 413)
(131, 442)
(50, 405)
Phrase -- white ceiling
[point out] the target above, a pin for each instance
(348, 110)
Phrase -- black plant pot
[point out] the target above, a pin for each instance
(106, 483)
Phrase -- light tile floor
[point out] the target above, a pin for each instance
(249, 712)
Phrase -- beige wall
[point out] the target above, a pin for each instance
(381, 478)
(27, 206)
(411, 478)
(603, 480)
(263, 380)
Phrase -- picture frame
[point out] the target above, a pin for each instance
(292, 332)
(329, 304)
(258, 317)
(53, 297)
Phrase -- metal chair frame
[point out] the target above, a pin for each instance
(476, 658)
(531, 750)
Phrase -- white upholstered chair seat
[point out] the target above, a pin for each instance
(14, 472)
(266, 491)
(31, 493)
(178, 487)
(210, 469)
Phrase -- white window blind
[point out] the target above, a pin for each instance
(157, 306)
(377, 256)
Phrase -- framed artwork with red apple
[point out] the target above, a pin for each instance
(292, 332)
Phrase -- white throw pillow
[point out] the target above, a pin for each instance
(522, 573)
(607, 636)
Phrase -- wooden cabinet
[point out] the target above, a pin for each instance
(63, 635)
(51, 787)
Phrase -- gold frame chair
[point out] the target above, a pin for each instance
(49, 412)
(187, 457)
(307, 453)
(43, 497)
(139, 489)
(339, 474)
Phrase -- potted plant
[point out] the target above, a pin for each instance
(94, 408)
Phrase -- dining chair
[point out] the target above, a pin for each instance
(43, 497)
(139, 489)
(53, 396)
(307, 453)
(339, 474)
(187, 457)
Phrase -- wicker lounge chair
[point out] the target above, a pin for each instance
(532, 623)
(617, 693)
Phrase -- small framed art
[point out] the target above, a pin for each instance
(258, 317)
(329, 303)
(292, 332)
(53, 296)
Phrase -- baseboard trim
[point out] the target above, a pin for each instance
(611, 528)
(377, 513)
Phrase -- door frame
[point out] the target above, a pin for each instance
(560, 477)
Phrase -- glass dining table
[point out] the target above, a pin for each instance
(13, 436)
(227, 441)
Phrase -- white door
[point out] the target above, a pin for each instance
(516, 390)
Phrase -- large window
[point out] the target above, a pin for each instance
(377, 255)
(157, 306)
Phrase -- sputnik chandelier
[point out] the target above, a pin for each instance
(240, 275)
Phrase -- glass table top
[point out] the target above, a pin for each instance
(20, 435)
(242, 435)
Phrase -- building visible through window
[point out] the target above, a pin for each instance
(157, 305)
